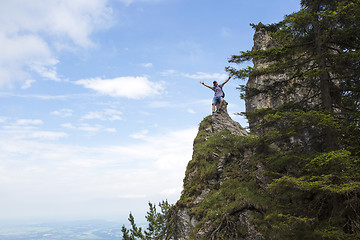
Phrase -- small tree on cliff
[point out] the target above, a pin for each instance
(317, 53)
(161, 224)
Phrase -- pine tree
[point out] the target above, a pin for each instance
(161, 225)
(318, 50)
(316, 180)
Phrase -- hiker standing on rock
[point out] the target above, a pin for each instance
(219, 94)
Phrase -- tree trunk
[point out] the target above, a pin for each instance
(324, 78)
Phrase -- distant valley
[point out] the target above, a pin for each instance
(78, 230)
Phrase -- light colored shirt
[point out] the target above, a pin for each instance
(218, 90)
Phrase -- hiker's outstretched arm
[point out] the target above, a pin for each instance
(205, 85)
(228, 79)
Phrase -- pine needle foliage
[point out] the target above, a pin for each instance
(312, 136)
(318, 50)
(309, 142)
(161, 224)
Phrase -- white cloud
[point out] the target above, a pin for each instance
(202, 75)
(197, 75)
(131, 196)
(83, 127)
(42, 178)
(111, 130)
(20, 52)
(28, 122)
(3, 119)
(47, 135)
(128, 2)
(64, 112)
(171, 191)
(161, 104)
(47, 70)
(147, 65)
(191, 111)
(68, 125)
(72, 19)
(93, 115)
(41, 97)
(128, 87)
(31, 30)
(234, 110)
(168, 72)
(27, 83)
(168, 150)
(90, 128)
(106, 115)
(140, 135)
(29, 129)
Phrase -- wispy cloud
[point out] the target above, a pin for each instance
(22, 125)
(18, 52)
(64, 112)
(47, 135)
(169, 72)
(106, 115)
(197, 75)
(28, 122)
(54, 177)
(202, 75)
(31, 30)
(146, 65)
(190, 110)
(128, 87)
(140, 135)
(45, 97)
(29, 129)
(44, 70)
(3, 119)
(162, 104)
(83, 127)
(128, 2)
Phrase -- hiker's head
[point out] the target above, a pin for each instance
(215, 83)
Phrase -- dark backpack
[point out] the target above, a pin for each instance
(223, 96)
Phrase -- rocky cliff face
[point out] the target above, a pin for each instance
(262, 41)
(222, 187)
(224, 194)
(238, 186)
(268, 96)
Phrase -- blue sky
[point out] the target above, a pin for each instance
(101, 99)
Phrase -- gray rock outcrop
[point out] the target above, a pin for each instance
(220, 159)
(271, 95)
(222, 121)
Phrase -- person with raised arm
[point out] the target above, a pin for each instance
(218, 93)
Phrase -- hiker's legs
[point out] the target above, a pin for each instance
(214, 102)
(217, 103)
(221, 103)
